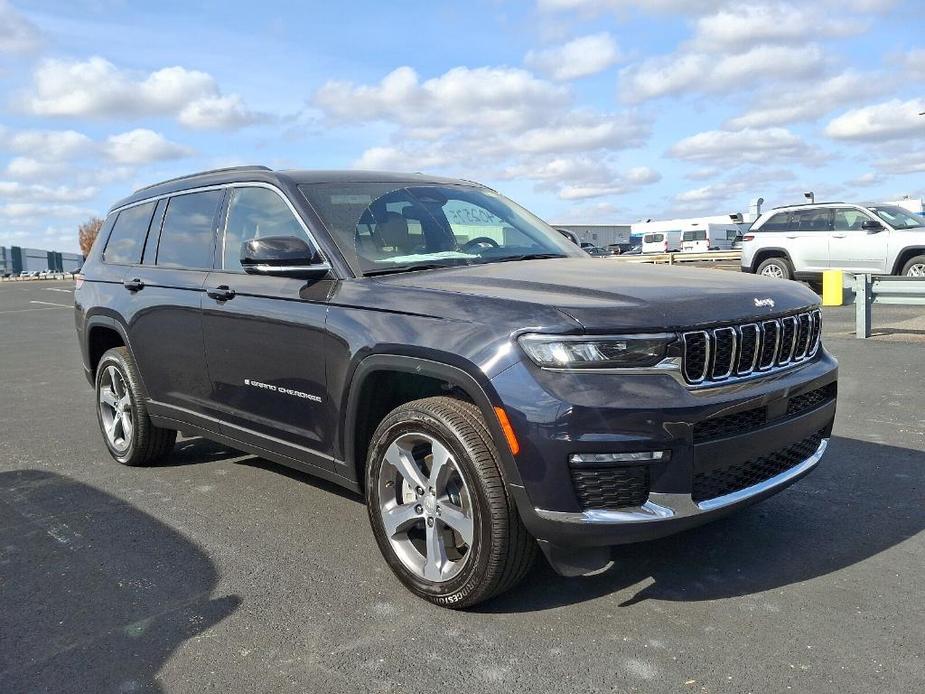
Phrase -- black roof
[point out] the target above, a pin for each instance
(291, 176)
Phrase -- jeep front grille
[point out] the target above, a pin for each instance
(722, 354)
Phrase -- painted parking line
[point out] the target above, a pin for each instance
(58, 289)
(49, 303)
(55, 307)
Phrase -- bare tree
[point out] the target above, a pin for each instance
(87, 234)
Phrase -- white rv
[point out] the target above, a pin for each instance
(661, 242)
(709, 237)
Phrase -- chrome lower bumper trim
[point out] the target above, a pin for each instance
(664, 506)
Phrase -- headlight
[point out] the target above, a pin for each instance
(590, 352)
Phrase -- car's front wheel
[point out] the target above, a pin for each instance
(129, 434)
(915, 267)
(777, 268)
(438, 507)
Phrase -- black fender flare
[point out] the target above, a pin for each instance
(111, 322)
(453, 375)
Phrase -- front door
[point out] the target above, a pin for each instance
(853, 248)
(264, 337)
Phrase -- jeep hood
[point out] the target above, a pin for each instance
(604, 295)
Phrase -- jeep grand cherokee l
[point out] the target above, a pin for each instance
(484, 384)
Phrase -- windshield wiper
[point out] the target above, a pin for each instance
(405, 268)
(526, 256)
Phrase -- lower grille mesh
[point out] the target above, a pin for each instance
(810, 400)
(732, 478)
(730, 424)
(611, 488)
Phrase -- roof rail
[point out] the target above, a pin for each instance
(227, 169)
(811, 204)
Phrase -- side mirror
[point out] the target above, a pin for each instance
(282, 256)
(872, 226)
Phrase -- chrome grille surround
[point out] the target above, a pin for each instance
(756, 348)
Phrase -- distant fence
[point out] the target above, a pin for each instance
(679, 257)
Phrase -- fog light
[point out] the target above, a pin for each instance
(609, 458)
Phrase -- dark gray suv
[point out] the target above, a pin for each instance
(487, 387)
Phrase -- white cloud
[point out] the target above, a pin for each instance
(810, 102)
(706, 196)
(29, 169)
(741, 26)
(97, 88)
(47, 144)
(142, 146)
(482, 120)
(733, 147)
(14, 190)
(27, 211)
(703, 72)
(17, 34)
(580, 57)
(595, 7)
(487, 97)
(890, 120)
(633, 179)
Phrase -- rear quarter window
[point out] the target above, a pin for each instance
(188, 233)
(779, 222)
(127, 240)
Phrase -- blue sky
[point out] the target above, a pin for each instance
(583, 110)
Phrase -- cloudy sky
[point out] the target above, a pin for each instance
(583, 110)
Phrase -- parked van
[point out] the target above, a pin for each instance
(711, 237)
(661, 242)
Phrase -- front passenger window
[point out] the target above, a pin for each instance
(255, 213)
(849, 219)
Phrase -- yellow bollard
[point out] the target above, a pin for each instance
(833, 288)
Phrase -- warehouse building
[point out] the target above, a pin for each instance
(15, 259)
(598, 234)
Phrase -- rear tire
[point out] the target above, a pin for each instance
(778, 268)
(915, 267)
(122, 414)
(427, 551)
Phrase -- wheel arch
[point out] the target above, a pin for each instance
(361, 416)
(905, 256)
(766, 253)
(103, 332)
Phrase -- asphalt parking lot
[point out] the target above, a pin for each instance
(219, 571)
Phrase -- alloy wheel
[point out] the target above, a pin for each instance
(917, 270)
(116, 409)
(775, 271)
(425, 506)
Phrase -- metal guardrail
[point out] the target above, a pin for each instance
(679, 257)
(884, 289)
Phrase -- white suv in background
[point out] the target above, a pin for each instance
(800, 241)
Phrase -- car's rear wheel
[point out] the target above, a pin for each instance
(438, 506)
(123, 417)
(915, 267)
(778, 268)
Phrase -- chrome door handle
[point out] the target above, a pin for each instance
(134, 285)
(221, 293)
(839, 236)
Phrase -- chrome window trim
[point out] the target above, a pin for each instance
(666, 506)
(224, 186)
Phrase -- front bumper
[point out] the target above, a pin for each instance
(556, 415)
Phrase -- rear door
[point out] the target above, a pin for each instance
(264, 336)
(166, 326)
(856, 249)
(807, 239)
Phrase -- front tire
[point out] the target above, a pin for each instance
(122, 415)
(438, 506)
(778, 268)
(915, 267)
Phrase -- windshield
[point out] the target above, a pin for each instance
(383, 228)
(897, 217)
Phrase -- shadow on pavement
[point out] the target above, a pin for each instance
(862, 500)
(96, 595)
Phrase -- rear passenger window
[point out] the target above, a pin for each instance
(127, 239)
(779, 222)
(812, 220)
(187, 237)
(255, 213)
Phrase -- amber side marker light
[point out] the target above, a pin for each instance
(505, 423)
